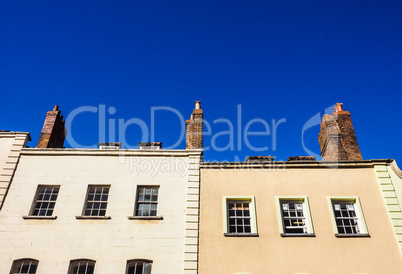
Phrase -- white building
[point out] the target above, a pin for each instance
(100, 210)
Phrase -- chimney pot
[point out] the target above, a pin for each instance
(338, 107)
(197, 104)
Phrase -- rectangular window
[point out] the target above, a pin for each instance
(45, 201)
(294, 216)
(96, 202)
(147, 201)
(240, 218)
(347, 216)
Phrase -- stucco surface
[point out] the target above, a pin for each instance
(110, 242)
(271, 253)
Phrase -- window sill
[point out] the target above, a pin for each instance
(240, 234)
(39, 217)
(362, 235)
(145, 217)
(297, 235)
(93, 217)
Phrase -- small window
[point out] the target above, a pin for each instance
(295, 218)
(24, 266)
(240, 216)
(347, 217)
(81, 267)
(45, 200)
(96, 202)
(147, 201)
(139, 267)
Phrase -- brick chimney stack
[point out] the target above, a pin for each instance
(194, 128)
(337, 137)
(53, 131)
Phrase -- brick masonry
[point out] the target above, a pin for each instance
(194, 134)
(337, 137)
(53, 131)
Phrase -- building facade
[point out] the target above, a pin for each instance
(340, 215)
(107, 210)
(300, 217)
(152, 210)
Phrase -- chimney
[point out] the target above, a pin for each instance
(110, 145)
(260, 159)
(150, 145)
(194, 128)
(53, 131)
(337, 136)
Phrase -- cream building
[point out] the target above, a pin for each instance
(340, 215)
(150, 210)
(284, 217)
(107, 210)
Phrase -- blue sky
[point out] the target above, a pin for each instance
(276, 59)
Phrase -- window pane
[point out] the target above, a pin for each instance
(138, 267)
(239, 217)
(96, 203)
(345, 217)
(293, 217)
(45, 198)
(147, 198)
(24, 266)
(147, 268)
(82, 267)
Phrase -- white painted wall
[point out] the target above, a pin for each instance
(11, 144)
(110, 242)
(6, 143)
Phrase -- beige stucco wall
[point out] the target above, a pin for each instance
(110, 242)
(271, 253)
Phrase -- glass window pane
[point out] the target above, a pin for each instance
(147, 201)
(25, 266)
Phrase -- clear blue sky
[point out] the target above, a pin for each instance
(277, 59)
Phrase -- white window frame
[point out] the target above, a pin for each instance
(147, 265)
(363, 231)
(94, 201)
(139, 202)
(253, 217)
(21, 262)
(81, 261)
(36, 201)
(306, 212)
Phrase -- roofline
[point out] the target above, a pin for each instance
(4, 133)
(297, 164)
(110, 152)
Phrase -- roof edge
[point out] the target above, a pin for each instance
(299, 164)
(117, 152)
